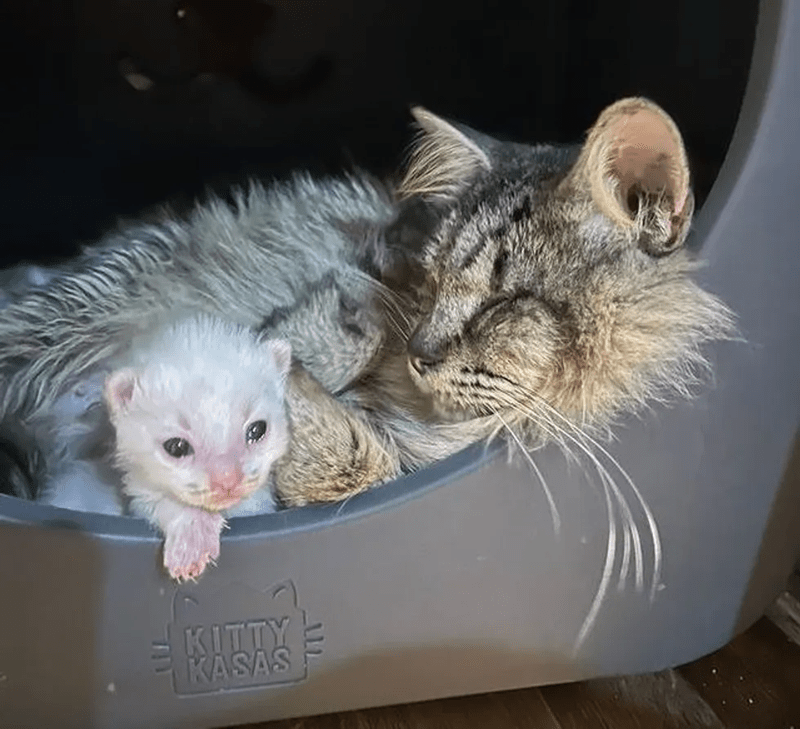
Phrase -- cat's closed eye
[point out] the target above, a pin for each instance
(178, 447)
(255, 431)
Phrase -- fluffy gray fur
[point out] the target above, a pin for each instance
(551, 294)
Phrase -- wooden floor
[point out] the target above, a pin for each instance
(752, 683)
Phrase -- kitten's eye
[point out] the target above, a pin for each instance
(255, 431)
(178, 447)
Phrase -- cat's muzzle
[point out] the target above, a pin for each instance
(424, 355)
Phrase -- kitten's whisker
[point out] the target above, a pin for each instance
(554, 515)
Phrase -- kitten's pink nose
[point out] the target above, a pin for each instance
(226, 480)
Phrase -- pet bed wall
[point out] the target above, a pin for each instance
(454, 580)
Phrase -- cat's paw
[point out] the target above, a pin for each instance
(191, 543)
(332, 453)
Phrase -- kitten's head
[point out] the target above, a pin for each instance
(557, 277)
(201, 417)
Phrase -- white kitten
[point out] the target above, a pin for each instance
(198, 410)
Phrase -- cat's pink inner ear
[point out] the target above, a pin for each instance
(634, 148)
(647, 152)
(119, 389)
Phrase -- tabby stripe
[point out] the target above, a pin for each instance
(472, 255)
(499, 270)
(523, 211)
(281, 313)
(478, 370)
(484, 404)
(475, 385)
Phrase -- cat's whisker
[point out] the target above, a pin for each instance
(610, 488)
(631, 536)
(547, 426)
(401, 333)
(387, 295)
(630, 533)
(654, 531)
(626, 555)
(553, 430)
(608, 569)
(344, 503)
(653, 526)
(399, 305)
(638, 555)
(632, 543)
(393, 302)
(554, 515)
(400, 321)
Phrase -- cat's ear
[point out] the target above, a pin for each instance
(634, 167)
(281, 352)
(118, 390)
(443, 159)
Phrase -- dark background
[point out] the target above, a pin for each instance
(243, 87)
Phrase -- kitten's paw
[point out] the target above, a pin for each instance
(191, 542)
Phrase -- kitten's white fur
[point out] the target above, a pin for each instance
(203, 380)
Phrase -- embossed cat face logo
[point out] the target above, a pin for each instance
(557, 283)
(238, 638)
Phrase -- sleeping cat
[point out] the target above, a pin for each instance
(551, 293)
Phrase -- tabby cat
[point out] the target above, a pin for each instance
(539, 290)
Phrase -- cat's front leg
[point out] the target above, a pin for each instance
(191, 537)
(332, 453)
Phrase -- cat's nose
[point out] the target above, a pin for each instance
(424, 355)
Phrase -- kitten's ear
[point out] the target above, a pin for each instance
(634, 167)
(443, 159)
(281, 352)
(118, 390)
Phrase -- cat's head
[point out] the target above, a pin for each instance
(204, 427)
(557, 278)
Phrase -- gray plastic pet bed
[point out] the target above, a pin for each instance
(454, 580)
